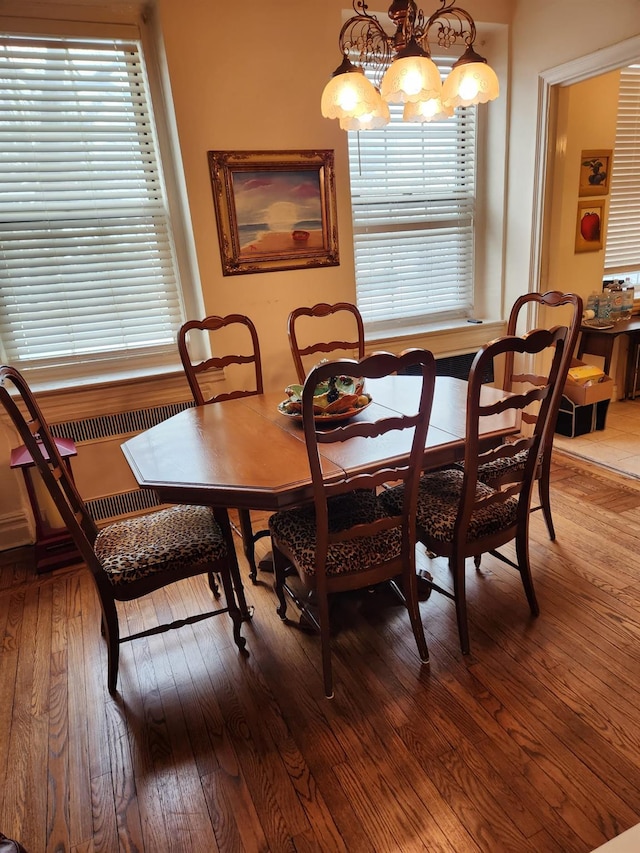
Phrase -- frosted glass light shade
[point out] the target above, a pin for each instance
(380, 117)
(410, 79)
(349, 95)
(470, 83)
(431, 110)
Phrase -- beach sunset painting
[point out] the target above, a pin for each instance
(278, 212)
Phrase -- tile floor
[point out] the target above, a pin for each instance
(617, 446)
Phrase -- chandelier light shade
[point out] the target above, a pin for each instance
(349, 94)
(431, 110)
(402, 69)
(411, 79)
(471, 81)
(380, 117)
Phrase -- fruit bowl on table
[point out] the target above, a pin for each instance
(339, 398)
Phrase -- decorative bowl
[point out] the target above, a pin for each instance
(339, 410)
(339, 396)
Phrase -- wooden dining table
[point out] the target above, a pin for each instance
(244, 453)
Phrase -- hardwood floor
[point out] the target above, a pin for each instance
(532, 743)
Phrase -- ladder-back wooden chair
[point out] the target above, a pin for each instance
(134, 556)
(346, 540)
(459, 516)
(197, 372)
(518, 376)
(319, 326)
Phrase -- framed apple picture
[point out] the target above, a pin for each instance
(595, 172)
(590, 225)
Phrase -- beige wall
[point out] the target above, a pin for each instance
(263, 93)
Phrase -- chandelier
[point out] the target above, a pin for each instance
(402, 69)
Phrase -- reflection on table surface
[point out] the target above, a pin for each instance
(244, 453)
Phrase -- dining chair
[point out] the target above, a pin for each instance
(345, 540)
(131, 557)
(518, 375)
(198, 373)
(319, 318)
(459, 516)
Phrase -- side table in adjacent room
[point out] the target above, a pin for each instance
(54, 546)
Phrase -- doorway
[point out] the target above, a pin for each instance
(618, 445)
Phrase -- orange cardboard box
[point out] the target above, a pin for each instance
(583, 395)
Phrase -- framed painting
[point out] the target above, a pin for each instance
(595, 172)
(590, 225)
(275, 210)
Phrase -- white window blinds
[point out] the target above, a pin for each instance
(622, 252)
(87, 269)
(413, 190)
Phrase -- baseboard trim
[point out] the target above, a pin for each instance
(16, 530)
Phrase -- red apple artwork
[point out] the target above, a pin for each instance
(590, 227)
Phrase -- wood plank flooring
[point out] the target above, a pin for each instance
(529, 745)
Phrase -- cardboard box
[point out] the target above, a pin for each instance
(585, 395)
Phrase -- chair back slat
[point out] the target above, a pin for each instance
(568, 308)
(320, 318)
(196, 370)
(550, 345)
(410, 428)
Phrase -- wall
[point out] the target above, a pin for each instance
(263, 93)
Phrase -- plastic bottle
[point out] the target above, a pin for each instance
(628, 294)
(604, 306)
(592, 305)
(614, 295)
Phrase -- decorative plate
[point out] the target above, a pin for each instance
(325, 417)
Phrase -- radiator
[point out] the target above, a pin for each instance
(458, 366)
(100, 470)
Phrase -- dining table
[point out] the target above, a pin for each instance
(245, 453)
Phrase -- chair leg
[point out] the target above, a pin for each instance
(325, 642)
(457, 566)
(222, 517)
(280, 565)
(111, 632)
(410, 588)
(213, 585)
(524, 566)
(248, 543)
(234, 612)
(545, 500)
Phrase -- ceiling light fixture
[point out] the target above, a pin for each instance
(403, 71)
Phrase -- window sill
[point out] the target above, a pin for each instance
(447, 338)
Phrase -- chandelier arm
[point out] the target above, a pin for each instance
(454, 23)
(364, 40)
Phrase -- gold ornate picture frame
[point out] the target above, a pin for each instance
(275, 210)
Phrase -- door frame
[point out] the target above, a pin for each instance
(602, 61)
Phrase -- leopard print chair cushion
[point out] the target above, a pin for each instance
(490, 472)
(438, 501)
(168, 539)
(297, 528)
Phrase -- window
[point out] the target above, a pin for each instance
(88, 273)
(622, 255)
(413, 189)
